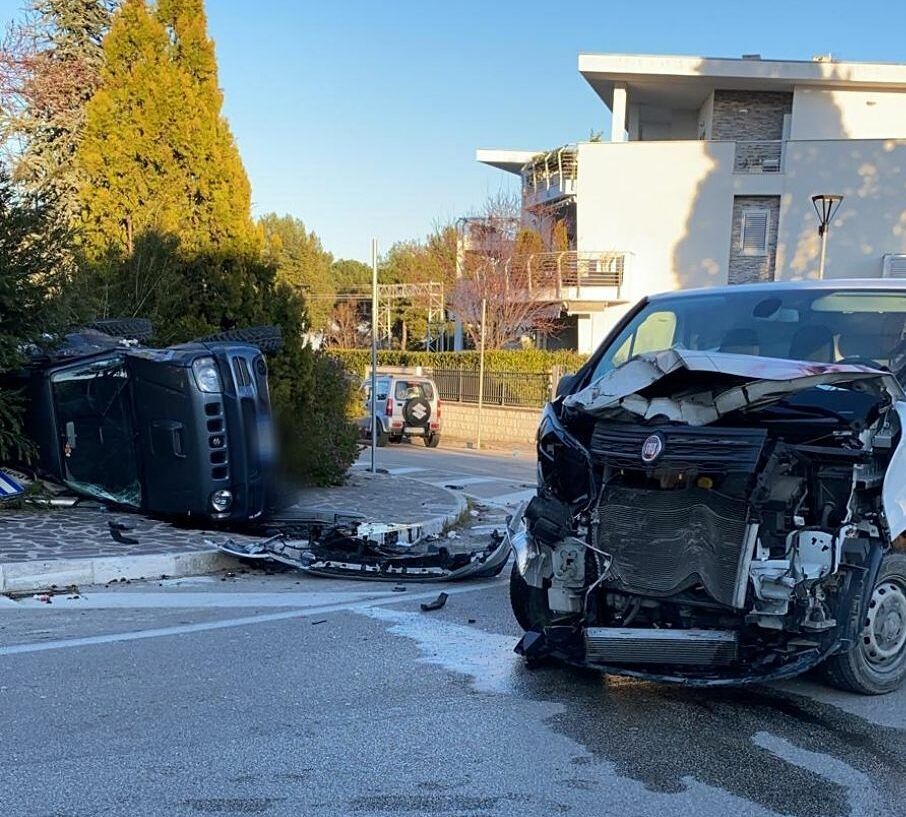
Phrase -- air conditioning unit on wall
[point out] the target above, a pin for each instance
(893, 265)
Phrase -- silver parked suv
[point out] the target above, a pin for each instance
(406, 406)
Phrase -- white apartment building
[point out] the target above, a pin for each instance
(708, 176)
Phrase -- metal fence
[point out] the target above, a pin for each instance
(527, 389)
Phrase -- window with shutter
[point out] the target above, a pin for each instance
(754, 232)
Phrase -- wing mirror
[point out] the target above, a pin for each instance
(565, 384)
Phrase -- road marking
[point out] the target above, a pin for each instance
(159, 632)
(507, 500)
(188, 600)
(454, 480)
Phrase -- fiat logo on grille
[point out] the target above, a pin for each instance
(652, 448)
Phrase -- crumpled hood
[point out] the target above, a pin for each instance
(699, 387)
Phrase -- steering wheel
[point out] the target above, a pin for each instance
(863, 361)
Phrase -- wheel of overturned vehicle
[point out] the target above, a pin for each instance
(877, 664)
(266, 338)
(137, 329)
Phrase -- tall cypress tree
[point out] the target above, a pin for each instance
(157, 155)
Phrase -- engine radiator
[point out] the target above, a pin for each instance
(612, 645)
(663, 542)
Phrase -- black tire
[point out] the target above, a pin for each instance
(417, 412)
(382, 439)
(529, 603)
(396, 439)
(863, 668)
(432, 440)
(137, 329)
(266, 338)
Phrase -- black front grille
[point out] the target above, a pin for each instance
(664, 542)
(707, 448)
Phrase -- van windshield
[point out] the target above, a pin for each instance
(824, 326)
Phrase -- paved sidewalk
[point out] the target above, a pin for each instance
(41, 548)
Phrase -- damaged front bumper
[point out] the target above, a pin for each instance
(351, 548)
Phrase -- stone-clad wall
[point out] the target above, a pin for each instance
(763, 117)
(746, 269)
(499, 425)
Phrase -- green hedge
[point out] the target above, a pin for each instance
(496, 360)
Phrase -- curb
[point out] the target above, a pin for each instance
(24, 576)
(19, 577)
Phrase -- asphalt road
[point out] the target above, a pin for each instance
(285, 695)
(500, 477)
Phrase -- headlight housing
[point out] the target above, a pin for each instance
(207, 376)
(221, 501)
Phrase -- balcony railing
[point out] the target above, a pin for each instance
(759, 157)
(557, 272)
(550, 176)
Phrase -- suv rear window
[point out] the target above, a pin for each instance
(407, 389)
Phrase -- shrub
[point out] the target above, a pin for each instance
(530, 361)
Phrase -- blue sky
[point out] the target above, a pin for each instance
(362, 118)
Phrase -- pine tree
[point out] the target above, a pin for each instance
(302, 263)
(33, 267)
(157, 156)
(52, 65)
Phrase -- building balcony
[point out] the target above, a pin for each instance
(550, 177)
(759, 157)
(569, 275)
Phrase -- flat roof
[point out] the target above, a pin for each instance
(511, 161)
(685, 82)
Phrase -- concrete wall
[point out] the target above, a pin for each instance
(668, 203)
(499, 425)
(839, 114)
(871, 174)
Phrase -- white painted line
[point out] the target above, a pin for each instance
(454, 480)
(137, 635)
(188, 600)
(404, 469)
(506, 500)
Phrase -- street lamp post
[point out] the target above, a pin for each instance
(826, 206)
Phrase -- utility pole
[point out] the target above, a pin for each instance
(484, 315)
(374, 334)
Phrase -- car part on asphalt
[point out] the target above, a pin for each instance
(351, 548)
(710, 516)
(437, 604)
(116, 532)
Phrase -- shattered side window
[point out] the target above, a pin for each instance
(96, 433)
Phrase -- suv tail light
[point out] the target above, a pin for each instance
(388, 409)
